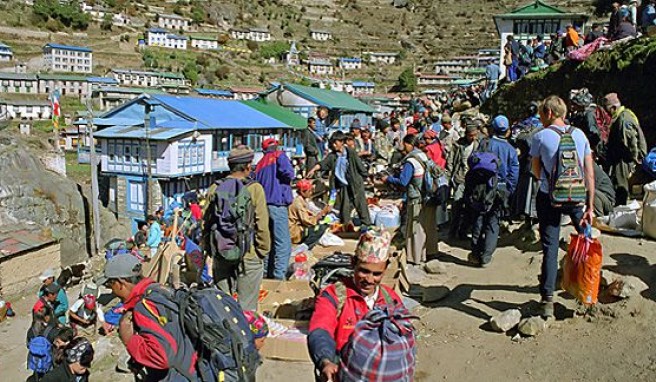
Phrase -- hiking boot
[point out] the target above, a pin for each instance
(485, 263)
(547, 309)
(473, 259)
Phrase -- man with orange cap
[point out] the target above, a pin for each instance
(275, 173)
(304, 225)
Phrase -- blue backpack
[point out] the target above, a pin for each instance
(649, 163)
(39, 353)
(482, 179)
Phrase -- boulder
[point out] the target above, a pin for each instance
(531, 326)
(624, 286)
(434, 293)
(505, 321)
(435, 267)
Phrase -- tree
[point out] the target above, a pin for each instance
(197, 15)
(408, 80)
(107, 22)
(223, 38)
(273, 49)
(222, 72)
(190, 72)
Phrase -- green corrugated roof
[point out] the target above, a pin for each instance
(280, 113)
(475, 71)
(203, 37)
(537, 8)
(62, 77)
(178, 76)
(329, 98)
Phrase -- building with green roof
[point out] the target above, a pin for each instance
(305, 100)
(535, 19)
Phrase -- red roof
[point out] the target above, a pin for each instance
(246, 89)
(18, 241)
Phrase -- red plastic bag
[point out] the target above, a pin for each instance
(582, 268)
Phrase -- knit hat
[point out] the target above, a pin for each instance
(269, 142)
(373, 246)
(500, 124)
(611, 99)
(241, 154)
(81, 352)
(304, 185)
(257, 323)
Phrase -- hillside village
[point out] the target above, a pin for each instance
(233, 50)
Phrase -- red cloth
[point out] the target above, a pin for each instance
(435, 152)
(196, 211)
(269, 142)
(355, 308)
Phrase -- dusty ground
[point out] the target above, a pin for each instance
(455, 342)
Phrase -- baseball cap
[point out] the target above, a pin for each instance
(48, 273)
(52, 289)
(500, 123)
(120, 266)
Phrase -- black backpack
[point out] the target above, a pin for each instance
(330, 270)
(216, 326)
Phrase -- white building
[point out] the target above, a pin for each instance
(140, 78)
(162, 38)
(21, 83)
(451, 67)
(362, 87)
(259, 34)
(29, 109)
(321, 67)
(320, 35)
(204, 42)
(240, 34)
(96, 12)
(66, 84)
(434, 79)
(6, 53)
(348, 63)
(531, 20)
(174, 22)
(245, 92)
(382, 57)
(67, 58)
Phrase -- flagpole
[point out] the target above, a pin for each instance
(56, 112)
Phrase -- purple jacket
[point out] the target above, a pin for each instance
(275, 173)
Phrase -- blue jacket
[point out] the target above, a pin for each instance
(154, 235)
(509, 166)
(60, 305)
(275, 173)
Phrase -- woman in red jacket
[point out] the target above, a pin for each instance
(341, 305)
(434, 148)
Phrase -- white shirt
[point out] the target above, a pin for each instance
(371, 300)
(78, 308)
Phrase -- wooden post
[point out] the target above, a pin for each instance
(94, 177)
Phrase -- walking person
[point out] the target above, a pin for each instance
(546, 149)
(485, 233)
(310, 141)
(275, 173)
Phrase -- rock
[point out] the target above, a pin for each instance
(505, 321)
(516, 338)
(435, 267)
(434, 293)
(531, 326)
(622, 286)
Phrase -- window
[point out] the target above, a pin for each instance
(137, 196)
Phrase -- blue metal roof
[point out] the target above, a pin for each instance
(158, 30)
(68, 47)
(348, 59)
(175, 37)
(362, 84)
(139, 132)
(221, 114)
(214, 92)
(102, 80)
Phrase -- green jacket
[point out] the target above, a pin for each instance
(626, 141)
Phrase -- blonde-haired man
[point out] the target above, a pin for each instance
(544, 153)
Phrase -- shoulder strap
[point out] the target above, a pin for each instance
(47, 331)
(557, 131)
(340, 293)
(386, 295)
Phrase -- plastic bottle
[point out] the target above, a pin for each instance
(300, 262)
(333, 198)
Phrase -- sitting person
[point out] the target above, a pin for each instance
(39, 340)
(77, 361)
(303, 224)
(60, 302)
(339, 307)
(63, 337)
(604, 200)
(84, 314)
(141, 237)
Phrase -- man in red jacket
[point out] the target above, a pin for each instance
(340, 306)
(158, 349)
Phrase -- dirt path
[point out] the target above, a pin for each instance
(455, 343)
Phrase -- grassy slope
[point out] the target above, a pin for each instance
(628, 70)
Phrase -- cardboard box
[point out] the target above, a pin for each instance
(3, 313)
(290, 346)
(287, 300)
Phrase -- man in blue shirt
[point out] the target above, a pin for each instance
(492, 73)
(649, 15)
(544, 153)
(485, 233)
